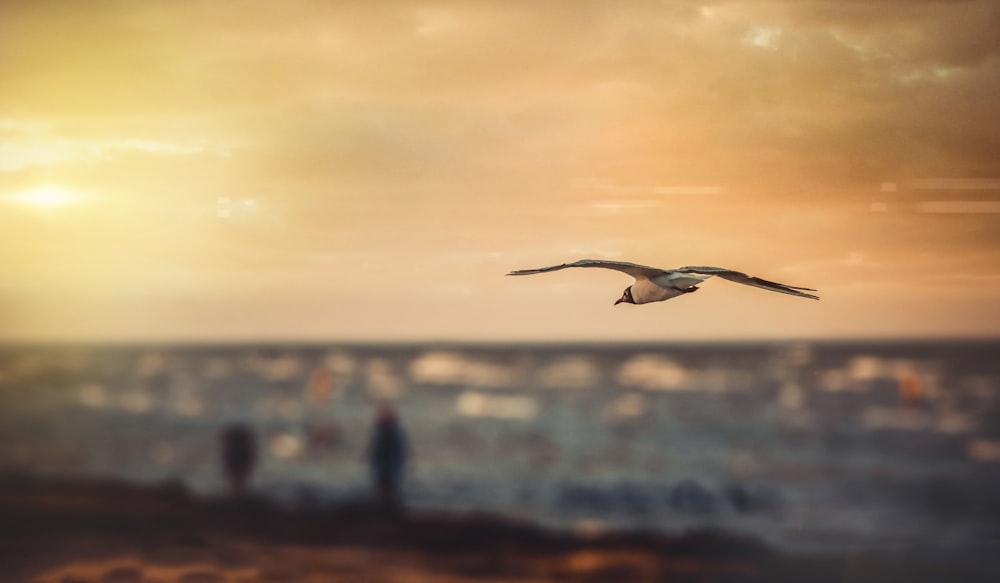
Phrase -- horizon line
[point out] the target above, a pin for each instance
(7, 343)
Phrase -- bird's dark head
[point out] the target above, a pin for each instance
(626, 297)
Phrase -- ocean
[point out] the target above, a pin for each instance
(808, 445)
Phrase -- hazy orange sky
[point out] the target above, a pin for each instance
(191, 170)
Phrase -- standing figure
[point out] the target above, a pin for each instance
(911, 390)
(387, 457)
(239, 456)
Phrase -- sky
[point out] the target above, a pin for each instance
(319, 170)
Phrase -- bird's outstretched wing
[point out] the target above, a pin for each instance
(745, 279)
(635, 270)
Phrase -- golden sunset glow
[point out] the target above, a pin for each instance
(46, 196)
(338, 170)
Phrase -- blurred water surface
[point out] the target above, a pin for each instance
(810, 445)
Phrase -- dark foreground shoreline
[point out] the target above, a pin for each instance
(77, 531)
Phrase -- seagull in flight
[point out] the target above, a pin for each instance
(656, 285)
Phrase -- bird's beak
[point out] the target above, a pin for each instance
(618, 301)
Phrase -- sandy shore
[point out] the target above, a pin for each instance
(77, 531)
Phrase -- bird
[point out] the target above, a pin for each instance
(653, 284)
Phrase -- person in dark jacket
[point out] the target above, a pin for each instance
(387, 454)
(239, 456)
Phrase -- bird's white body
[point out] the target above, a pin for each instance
(663, 287)
(656, 285)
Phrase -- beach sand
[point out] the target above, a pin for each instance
(75, 531)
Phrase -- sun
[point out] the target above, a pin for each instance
(47, 196)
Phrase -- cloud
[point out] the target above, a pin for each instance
(840, 95)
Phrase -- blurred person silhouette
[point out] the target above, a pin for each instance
(911, 390)
(387, 452)
(239, 456)
(321, 390)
